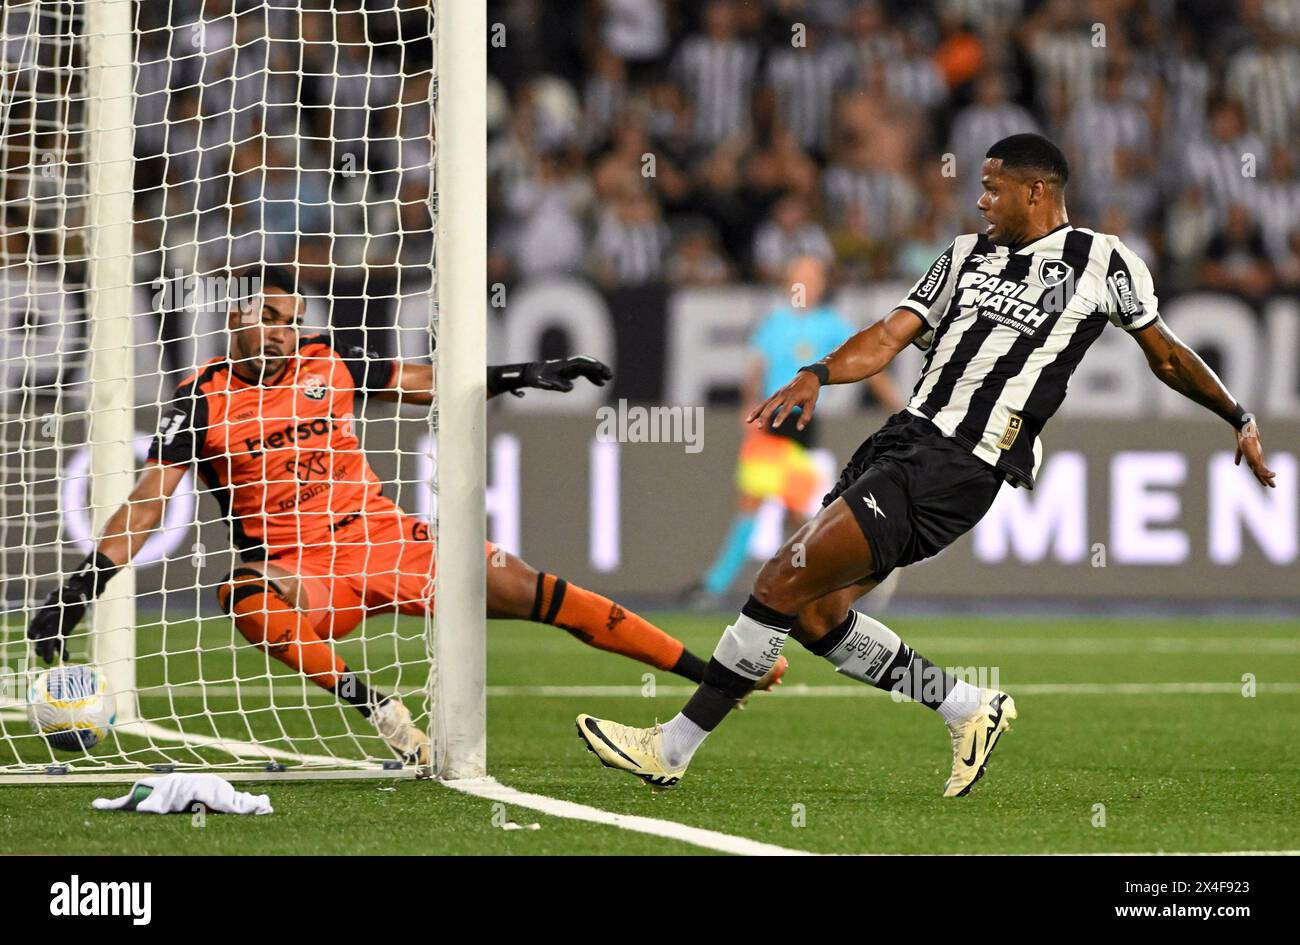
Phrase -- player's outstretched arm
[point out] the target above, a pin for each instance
(414, 383)
(1181, 368)
(556, 374)
(865, 354)
(124, 535)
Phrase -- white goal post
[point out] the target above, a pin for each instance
(148, 151)
(461, 267)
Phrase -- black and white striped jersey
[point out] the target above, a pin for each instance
(1006, 329)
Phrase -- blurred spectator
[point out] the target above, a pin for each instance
(1187, 82)
(635, 31)
(1236, 259)
(717, 69)
(866, 199)
(922, 79)
(547, 211)
(1059, 40)
(960, 55)
(604, 96)
(633, 157)
(789, 233)
(873, 39)
(1190, 223)
(1288, 269)
(1277, 205)
(697, 259)
(631, 243)
(803, 82)
(668, 120)
(1112, 151)
(1225, 163)
(1265, 77)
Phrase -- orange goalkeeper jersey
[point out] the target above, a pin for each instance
(281, 458)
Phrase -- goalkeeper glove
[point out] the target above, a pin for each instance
(66, 605)
(557, 374)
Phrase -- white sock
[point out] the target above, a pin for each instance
(960, 702)
(681, 738)
(866, 651)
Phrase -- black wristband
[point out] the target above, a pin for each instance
(819, 371)
(93, 575)
(1239, 417)
(504, 378)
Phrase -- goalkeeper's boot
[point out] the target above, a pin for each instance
(637, 751)
(408, 742)
(770, 680)
(974, 738)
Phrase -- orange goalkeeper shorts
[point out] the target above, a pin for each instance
(377, 563)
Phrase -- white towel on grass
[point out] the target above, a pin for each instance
(178, 793)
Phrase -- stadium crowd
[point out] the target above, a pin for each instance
(290, 130)
(696, 143)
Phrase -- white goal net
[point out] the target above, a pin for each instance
(163, 163)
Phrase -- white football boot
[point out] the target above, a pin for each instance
(638, 751)
(974, 738)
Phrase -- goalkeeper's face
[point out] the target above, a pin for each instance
(264, 333)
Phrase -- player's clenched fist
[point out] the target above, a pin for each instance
(556, 374)
(801, 393)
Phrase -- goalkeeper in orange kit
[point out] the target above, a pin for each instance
(269, 428)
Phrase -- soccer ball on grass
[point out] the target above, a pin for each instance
(71, 707)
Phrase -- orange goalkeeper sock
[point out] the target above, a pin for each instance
(599, 622)
(266, 620)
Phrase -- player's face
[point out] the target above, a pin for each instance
(264, 332)
(1004, 204)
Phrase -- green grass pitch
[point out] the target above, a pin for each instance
(835, 772)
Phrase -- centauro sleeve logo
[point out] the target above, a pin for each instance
(1126, 301)
(927, 290)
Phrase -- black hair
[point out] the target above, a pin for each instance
(257, 278)
(1031, 152)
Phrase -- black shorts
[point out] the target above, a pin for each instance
(914, 491)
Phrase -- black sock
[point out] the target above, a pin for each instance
(690, 666)
(354, 692)
(914, 676)
(833, 636)
(721, 687)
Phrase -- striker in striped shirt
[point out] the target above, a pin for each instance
(1008, 313)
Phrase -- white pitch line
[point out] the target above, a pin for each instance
(492, 790)
(1248, 645)
(1175, 853)
(319, 698)
(802, 690)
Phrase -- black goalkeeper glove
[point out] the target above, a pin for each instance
(557, 374)
(66, 605)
